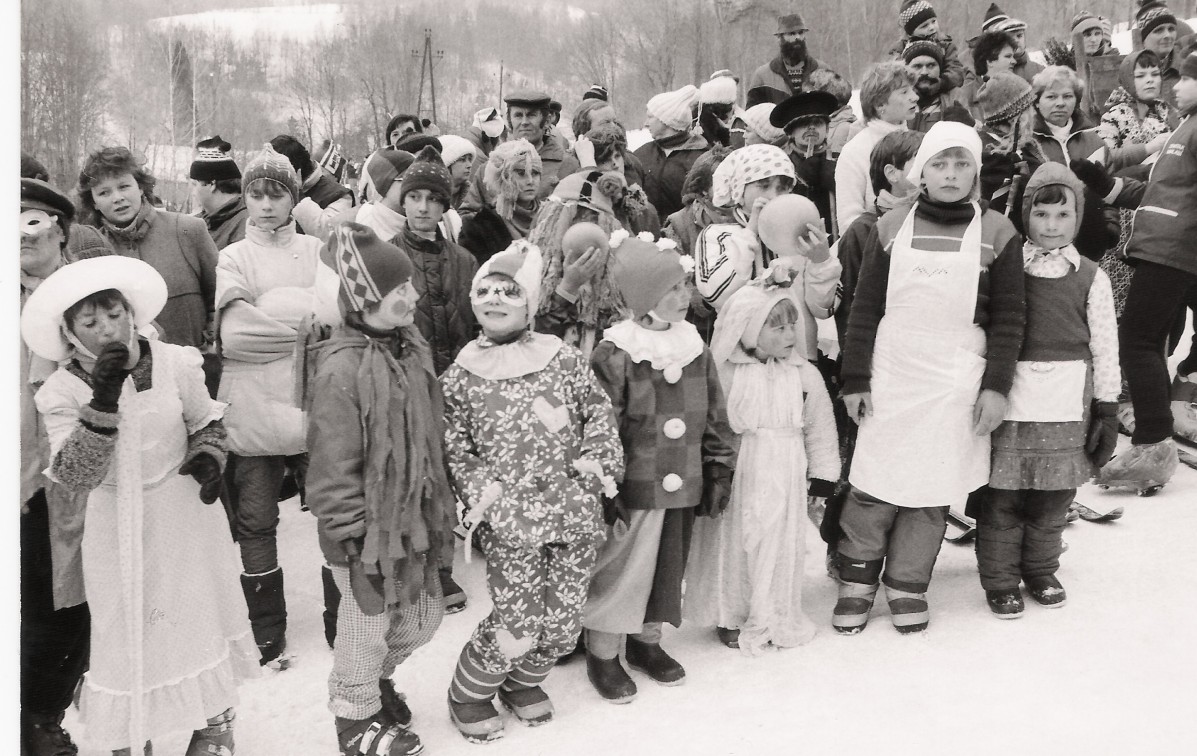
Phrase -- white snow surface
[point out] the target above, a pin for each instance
(1111, 673)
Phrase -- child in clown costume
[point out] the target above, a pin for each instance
(530, 444)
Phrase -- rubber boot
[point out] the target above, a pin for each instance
(610, 679)
(1184, 410)
(42, 735)
(214, 740)
(652, 660)
(332, 605)
(907, 610)
(267, 612)
(1145, 467)
(1047, 591)
(477, 721)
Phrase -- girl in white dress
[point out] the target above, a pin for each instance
(130, 420)
(746, 566)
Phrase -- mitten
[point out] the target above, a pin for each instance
(206, 471)
(1093, 175)
(716, 491)
(108, 376)
(613, 510)
(367, 587)
(1103, 433)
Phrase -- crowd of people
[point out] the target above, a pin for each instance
(601, 369)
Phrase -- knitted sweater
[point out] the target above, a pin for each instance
(853, 189)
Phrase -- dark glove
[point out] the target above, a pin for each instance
(716, 491)
(1103, 433)
(1093, 175)
(368, 589)
(613, 509)
(108, 376)
(206, 471)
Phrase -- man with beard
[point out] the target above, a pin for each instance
(788, 72)
(924, 60)
(805, 118)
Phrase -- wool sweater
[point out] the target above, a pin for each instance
(775, 76)
(1001, 305)
(853, 189)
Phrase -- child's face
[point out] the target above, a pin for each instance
(423, 210)
(1092, 39)
(767, 188)
(500, 306)
(949, 175)
(269, 204)
(674, 306)
(1052, 226)
(1186, 94)
(398, 308)
(928, 28)
(459, 172)
(1147, 82)
(97, 328)
(776, 341)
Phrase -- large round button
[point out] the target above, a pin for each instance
(672, 374)
(672, 482)
(674, 428)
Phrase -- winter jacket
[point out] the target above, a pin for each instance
(1001, 306)
(643, 401)
(180, 249)
(526, 433)
(1120, 123)
(443, 274)
(227, 224)
(1165, 224)
(774, 75)
(665, 171)
(258, 332)
(849, 250)
(1084, 143)
(853, 188)
(321, 201)
(953, 69)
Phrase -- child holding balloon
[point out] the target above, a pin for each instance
(754, 182)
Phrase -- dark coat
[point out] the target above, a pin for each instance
(227, 225)
(484, 234)
(665, 172)
(443, 274)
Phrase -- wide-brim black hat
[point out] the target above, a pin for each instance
(803, 105)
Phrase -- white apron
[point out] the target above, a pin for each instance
(918, 448)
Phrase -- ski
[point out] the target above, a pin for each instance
(961, 527)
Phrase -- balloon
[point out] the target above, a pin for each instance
(783, 220)
(580, 237)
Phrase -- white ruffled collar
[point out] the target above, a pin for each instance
(668, 351)
(528, 354)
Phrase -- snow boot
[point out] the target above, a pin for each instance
(851, 612)
(610, 679)
(42, 735)
(1046, 591)
(267, 612)
(478, 721)
(214, 740)
(455, 596)
(394, 703)
(332, 605)
(375, 736)
(652, 660)
(1184, 409)
(728, 636)
(908, 610)
(1143, 467)
(1005, 604)
(529, 705)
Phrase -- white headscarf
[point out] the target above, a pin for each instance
(745, 165)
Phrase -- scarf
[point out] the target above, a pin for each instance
(673, 142)
(519, 225)
(136, 230)
(383, 220)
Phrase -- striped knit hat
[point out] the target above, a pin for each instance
(1084, 21)
(214, 161)
(1004, 97)
(368, 267)
(994, 18)
(1152, 13)
(272, 166)
(915, 13)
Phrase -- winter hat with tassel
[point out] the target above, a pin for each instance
(428, 171)
(368, 267)
(675, 109)
(271, 165)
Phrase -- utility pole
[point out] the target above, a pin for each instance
(501, 74)
(428, 59)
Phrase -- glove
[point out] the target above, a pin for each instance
(716, 491)
(108, 376)
(613, 510)
(1093, 175)
(1103, 433)
(206, 471)
(367, 588)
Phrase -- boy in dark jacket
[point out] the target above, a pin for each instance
(382, 511)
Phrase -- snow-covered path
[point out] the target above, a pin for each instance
(1113, 672)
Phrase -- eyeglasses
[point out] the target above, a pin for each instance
(508, 293)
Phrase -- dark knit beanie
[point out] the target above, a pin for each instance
(428, 172)
(1152, 13)
(596, 92)
(994, 17)
(214, 161)
(368, 267)
(915, 13)
(1003, 97)
(923, 47)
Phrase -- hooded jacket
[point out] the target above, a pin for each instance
(1121, 124)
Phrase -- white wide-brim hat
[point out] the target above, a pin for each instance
(42, 321)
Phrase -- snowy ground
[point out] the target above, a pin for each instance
(1111, 673)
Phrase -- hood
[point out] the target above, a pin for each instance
(1126, 73)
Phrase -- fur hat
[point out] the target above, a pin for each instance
(758, 120)
(454, 148)
(913, 14)
(994, 17)
(1004, 97)
(1084, 21)
(675, 109)
(521, 262)
(428, 171)
(919, 48)
(272, 166)
(385, 167)
(500, 189)
(33, 168)
(720, 89)
(368, 267)
(592, 189)
(1152, 13)
(1052, 174)
(596, 92)
(644, 273)
(214, 161)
